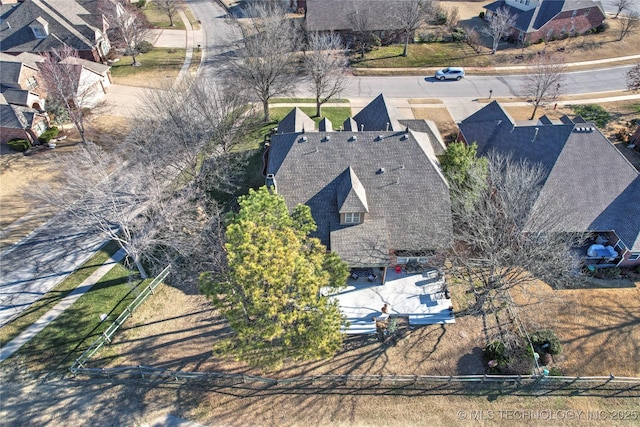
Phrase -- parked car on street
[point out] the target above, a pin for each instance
(450, 73)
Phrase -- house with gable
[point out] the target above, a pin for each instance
(549, 19)
(39, 26)
(375, 188)
(592, 183)
(22, 98)
(346, 16)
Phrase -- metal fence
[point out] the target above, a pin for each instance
(405, 384)
(106, 336)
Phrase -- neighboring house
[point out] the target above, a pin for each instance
(594, 186)
(19, 122)
(20, 80)
(94, 79)
(375, 189)
(347, 16)
(22, 98)
(550, 19)
(39, 26)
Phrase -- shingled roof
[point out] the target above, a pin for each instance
(66, 21)
(388, 175)
(296, 121)
(378, 115)
(339, 15)
(535, 18)
(592, 182)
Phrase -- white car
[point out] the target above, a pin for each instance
(450, 73)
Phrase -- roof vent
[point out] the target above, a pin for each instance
(353, 138)
(361, 127)
(326, 138)
(380, 171)
(535, 135)
(303, 139)
(387, 129)
(271, 182)
(404, 137)
(379, 138)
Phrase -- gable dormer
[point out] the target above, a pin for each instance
(40, 28)
(352, 198)
(523, 4)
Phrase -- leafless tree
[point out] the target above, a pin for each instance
(325, 65)
(633, 79)
(543, 84)
(265, 61)
(410, 15)
(499, 25)
(507, 237)
(621, 5)
(363, 36)
(473, 40)
(61, 72)
(453, 17)
(128, 27)
(629, 24)
(169, 8)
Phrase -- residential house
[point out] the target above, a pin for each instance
(375, 189)
(93, 80)
(39, 26)
(550, 19)
(22, 98)
(591, 183)
(348, 16)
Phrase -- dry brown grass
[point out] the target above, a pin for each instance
(438, 114)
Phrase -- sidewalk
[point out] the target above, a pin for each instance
(26, 335)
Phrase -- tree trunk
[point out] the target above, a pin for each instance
(171, 21)
(406, 45)
(141, 269)
(265, 109)
(535, 108)
(318, 105)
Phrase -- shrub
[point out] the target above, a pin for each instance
(545, 341)
(441, 18)
(458, 34)
(555, 371)
(145, 47)
(594, 113)
(19, 144)
(494, 356)
(142, 3)
(602, 27)
(49, 134)
(481, 15)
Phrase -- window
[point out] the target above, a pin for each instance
(586, 12)
(39, 127)
(575, 12)
(39, 33)
(352, 218)
(32, 83)
(634, 257)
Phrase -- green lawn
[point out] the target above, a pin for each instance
(159, 60)
(159, 19)
(336, 115)
(55, 295)
(422, 55)
(68, 336)
(305, 101)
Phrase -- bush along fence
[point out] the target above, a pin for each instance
(106, 336)
(525, 385)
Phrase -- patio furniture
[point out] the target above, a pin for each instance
(372, 277)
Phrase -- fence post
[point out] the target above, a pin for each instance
(141, 371)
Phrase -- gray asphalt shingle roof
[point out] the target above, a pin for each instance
(296, 121)
(378, 115)
(408, 205)
(534, 19)
(66, 24)
(339, 15)
(587, 177)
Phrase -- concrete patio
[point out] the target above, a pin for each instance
(418, 296)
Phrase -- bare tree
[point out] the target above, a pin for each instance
(543, 85)
(265, 62)
(128, 27)
(506, 238)
(499, 24)
(363, 36)
(169, 8)
(620, 6)
(325, 64)
(628, 24)
(61, 72)
(633, 79)
(410, 15)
